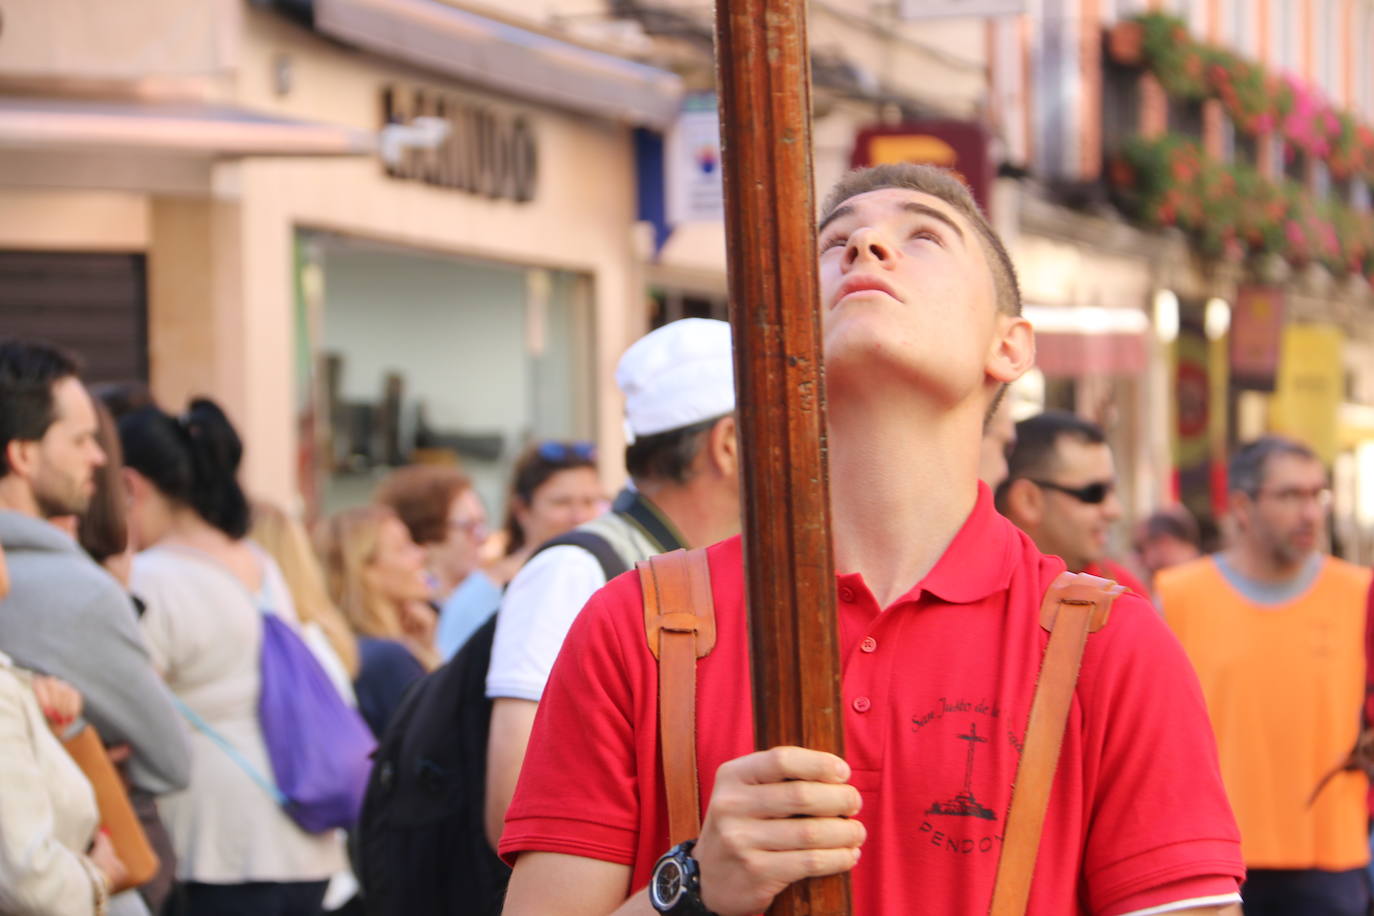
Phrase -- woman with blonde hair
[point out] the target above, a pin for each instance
(322, 626)
(374, 573)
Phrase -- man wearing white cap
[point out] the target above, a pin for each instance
(683, 462)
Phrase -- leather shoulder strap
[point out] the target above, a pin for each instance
(680, 624)
(1075, 605)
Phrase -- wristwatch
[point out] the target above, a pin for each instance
(675, 886)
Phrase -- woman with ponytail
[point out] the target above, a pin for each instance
(205, 587)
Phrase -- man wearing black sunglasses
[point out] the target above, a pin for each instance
(1061, 490)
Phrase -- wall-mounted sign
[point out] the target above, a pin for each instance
(1311, 386)
(477, 148)
(958, 145)
(692, 163)
(1256, 329)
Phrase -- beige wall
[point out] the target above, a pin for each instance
(36, 219)
(117, 39)
(581, 219)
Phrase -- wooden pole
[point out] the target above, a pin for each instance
(764, 82)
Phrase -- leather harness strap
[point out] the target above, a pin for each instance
(1075, 605)
(680, 624)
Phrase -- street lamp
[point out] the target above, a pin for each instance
(1216, 319)
(1166, 316)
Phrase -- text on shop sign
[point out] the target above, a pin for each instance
(484, 150)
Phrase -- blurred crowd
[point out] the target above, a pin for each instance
(140, 576)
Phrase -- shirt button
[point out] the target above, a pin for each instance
(869, 644)
(862, 704)
(846, 594)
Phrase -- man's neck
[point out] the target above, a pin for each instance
(702, 510)
(1260, 565)
(903, 480)
(16, 496)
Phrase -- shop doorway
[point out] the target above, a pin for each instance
(95, 305)
(415, 356)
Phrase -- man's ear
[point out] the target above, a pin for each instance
(1013, 349)
(1025, 503)
(722, 445)
(21, 457)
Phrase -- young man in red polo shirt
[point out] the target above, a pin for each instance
(939, 603)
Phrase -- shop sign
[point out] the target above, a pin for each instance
(1311, 386)
(486, 150)
(958, 145)
(1256, 330)
(1193, 413)
(695, 192)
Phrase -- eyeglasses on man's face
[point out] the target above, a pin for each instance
(1092, 494)
(1292, 497)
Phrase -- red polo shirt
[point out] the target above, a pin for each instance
(1110, 569)
(937, 689)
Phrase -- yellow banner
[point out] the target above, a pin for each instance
(1310, 387)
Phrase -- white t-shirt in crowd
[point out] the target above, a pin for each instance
(539, 606)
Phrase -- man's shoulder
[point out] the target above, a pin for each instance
(1349, 573)
(1193, 573)
(64, 582)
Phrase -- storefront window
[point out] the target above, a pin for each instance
(422, 357)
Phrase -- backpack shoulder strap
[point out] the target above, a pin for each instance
(1075, 605)
(612, 564)
(680, 625)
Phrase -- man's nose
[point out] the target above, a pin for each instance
(1111, 507)
(868, 244)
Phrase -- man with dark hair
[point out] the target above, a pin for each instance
(65, 616)
(1167, 537)
(1061, 490)
(941, 642)
(683, 463)
(1276, 631)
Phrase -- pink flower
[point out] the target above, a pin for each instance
(1293, 232)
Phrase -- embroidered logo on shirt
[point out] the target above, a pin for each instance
(964, 804)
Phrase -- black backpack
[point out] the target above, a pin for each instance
(420, 846)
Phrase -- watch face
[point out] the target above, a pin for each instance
(667, 884)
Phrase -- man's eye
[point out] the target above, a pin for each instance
(928, 234)
(835, 241)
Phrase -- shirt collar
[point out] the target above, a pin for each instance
(978, 562)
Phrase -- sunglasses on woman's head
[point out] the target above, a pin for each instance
(567, 451)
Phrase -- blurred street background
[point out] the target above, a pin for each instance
(392, 231)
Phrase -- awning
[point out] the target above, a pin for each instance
(192, 129)
(1077, 341)
(505, 58)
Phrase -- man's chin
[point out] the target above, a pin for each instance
(51, 509)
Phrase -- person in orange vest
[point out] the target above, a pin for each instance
(1276, 631)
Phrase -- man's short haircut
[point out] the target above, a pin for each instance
(1036, 450)
(421, 495)
(667, 457)
(1248, 464)
(1172, 522)
(28, 371)
(946, 186)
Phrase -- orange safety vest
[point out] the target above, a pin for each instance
(1284, 686)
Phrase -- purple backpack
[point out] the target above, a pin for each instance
(320, 747)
